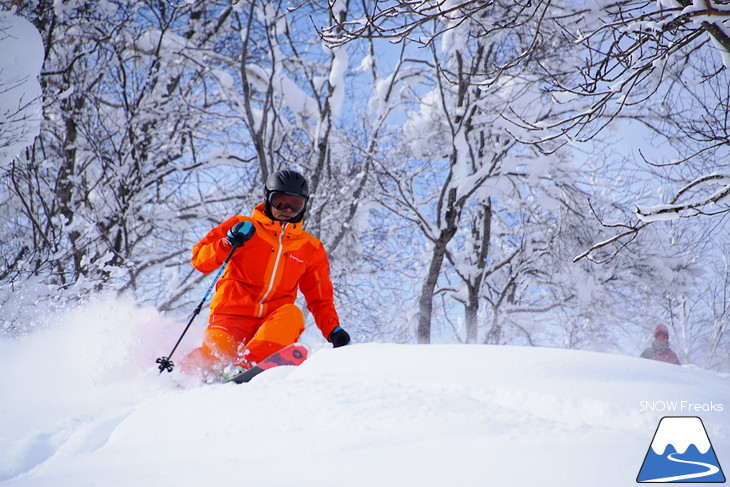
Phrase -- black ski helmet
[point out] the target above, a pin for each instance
(289, 182)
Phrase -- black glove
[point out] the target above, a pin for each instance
(339, 337)
(240, 233)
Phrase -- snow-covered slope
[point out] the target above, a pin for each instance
(83, 405)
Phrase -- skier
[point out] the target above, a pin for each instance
(659, 349)
(253, 313)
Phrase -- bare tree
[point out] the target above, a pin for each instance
(469, 156)
(663, 65)
(118, 153)
(162, 119)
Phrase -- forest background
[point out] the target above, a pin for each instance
(543, 173)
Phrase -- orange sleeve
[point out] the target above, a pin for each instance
(211, 251)
(316, 285)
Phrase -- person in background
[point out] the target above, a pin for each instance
(253, 313)
(659, 349)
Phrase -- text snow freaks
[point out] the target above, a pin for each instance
(680, 407)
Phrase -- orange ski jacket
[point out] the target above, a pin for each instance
(266, 272)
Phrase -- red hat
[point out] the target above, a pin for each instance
(661, 332)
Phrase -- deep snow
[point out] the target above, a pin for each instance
(83, 405)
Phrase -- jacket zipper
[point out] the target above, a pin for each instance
(273, 272)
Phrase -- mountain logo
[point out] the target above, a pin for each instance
(681, 452)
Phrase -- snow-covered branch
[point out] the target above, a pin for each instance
(718, 202)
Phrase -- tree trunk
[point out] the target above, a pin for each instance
(482, 234)
(425, 301)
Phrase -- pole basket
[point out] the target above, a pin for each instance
(165, 364)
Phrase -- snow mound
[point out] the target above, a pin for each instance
(84, 405)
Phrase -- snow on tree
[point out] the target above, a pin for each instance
(442, 186)
(21, 58)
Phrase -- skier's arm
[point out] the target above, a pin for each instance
(316, 286)
(212, 250)
(674, 358)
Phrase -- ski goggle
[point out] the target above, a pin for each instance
(283, 201)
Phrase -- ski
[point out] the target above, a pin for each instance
(293, 354)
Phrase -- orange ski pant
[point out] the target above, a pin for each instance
(233, 339)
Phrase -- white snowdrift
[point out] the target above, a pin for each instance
(21, 59)
(83, 405)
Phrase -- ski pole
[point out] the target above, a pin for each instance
(165, 362)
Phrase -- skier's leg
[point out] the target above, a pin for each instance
(222, 343)
(218, 347)
(279, 329)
